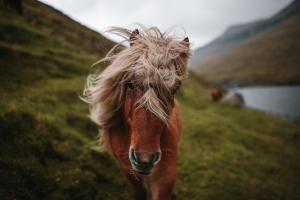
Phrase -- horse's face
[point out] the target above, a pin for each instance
(145, 130)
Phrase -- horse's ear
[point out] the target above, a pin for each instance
(186, 42)
(184, 56)
(133, 36)
(186, 51)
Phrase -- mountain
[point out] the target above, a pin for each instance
(48, 146)
(243, 48)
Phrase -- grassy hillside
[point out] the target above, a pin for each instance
(269, 58)
(232, 153)
(46, 137)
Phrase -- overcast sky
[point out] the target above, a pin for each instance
(203, 20)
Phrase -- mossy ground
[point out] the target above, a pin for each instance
(46, 136)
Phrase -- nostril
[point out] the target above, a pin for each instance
(144, 159)
(157, 157)
(134, 156)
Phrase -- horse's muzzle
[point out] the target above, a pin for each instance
(143, 162)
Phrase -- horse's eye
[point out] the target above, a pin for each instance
(175, 89)
(130, 85)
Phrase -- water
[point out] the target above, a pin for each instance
(279, 100)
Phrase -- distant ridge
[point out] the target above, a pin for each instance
(238, 33)
(266, 52)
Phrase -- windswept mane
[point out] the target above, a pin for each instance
(154, 59)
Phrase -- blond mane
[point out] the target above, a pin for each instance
(154, 59)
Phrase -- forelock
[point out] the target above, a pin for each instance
(154, 60)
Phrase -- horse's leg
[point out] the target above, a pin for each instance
(163, 183)
(163, 190)
(139, 191)
(119, 143)
(138, 188)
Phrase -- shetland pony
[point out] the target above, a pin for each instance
(133, 103)
(216, 94)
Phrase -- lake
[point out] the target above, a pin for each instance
(278, 100)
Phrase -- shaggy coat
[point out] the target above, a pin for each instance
(133, 103)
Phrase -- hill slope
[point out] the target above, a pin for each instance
(46, 137)
(258, 50)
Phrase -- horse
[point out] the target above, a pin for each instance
(216, 94)
(133, 102)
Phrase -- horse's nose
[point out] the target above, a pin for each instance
(144, 160)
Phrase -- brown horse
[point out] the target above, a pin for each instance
(133, 102)
(216, 94)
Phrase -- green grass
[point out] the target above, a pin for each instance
(46, 137)
(232, 153)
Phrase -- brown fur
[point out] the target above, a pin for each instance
(216, 94)
(148, 133)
